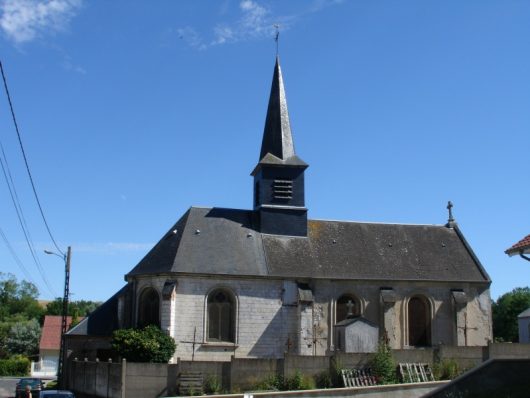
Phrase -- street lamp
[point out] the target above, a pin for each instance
(66, 257)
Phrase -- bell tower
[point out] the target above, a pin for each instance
(279, 175)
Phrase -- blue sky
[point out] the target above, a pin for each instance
(132, 111)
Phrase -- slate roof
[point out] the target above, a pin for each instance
(224, 242)
(50, 338)
(523, 246)
(103, 320)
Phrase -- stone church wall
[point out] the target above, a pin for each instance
(263, 325)
(269, 323)
(393, 317)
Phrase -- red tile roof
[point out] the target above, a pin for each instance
(523, 246)
(50, 338)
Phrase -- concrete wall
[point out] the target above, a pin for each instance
(309, 366)
(465, 357)
(246, 373)
(424, 355)
(508, 350)
(219, 370)
(150, 380)
(102, 379)
(143, 380)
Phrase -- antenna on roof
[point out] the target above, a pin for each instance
(277, 36)
(451, 219)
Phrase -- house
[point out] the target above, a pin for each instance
(523, 319)
(521, 248)
(262, 282)
(49, 346)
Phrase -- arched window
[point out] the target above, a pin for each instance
(347, 306)
(221, 316)
(419, 315)
(149, 308)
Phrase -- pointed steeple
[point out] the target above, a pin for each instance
(279, 175)
(277, 137)
(277, 146)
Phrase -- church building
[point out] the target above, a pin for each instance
(263, 282)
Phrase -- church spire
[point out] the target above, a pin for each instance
(277, 137)
(279, 174)
(277, 146)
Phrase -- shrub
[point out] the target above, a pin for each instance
(383, 364)
(271, 382)
(279, 383)
(149, 344)
(336, 375)
(14, 367)
(323, 380)
(294, 382)
(24, 338)
(446, 370)
(212, 385)
(298, 382)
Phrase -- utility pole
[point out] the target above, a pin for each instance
(64, 317)
(64, 324)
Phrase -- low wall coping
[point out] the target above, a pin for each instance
(329, 392)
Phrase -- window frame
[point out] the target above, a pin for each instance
(232, 322)
(140, 321)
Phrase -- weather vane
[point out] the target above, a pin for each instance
(277, 36)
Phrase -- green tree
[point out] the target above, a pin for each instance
(18, 304)
(149, 344)
(75, 308)
(24, 338)
(383, 364)
(505, 311)
(18, 299)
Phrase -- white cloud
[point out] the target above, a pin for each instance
(24, 20)
(70, 66)
(191, 37)
(254, 21)
(223, 34)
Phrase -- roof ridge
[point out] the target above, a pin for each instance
(377, 222)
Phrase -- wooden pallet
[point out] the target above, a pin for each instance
(190, 383)
(415, 372)
(358, 377)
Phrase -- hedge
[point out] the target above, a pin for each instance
(14, 367)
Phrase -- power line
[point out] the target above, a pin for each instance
(21, 219)
(16, 258)
(26, 160)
